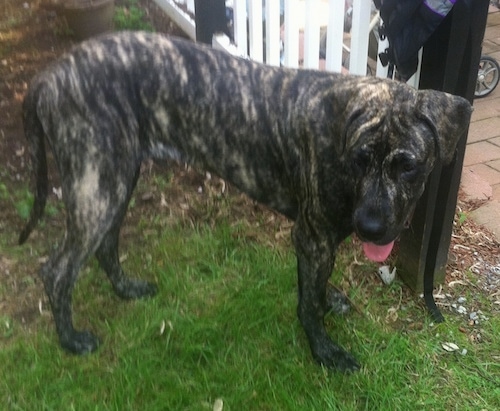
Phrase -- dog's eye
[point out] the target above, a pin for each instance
(361, 161)
(405, 167)
(408, 166)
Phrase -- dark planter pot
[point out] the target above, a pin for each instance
(87, 18)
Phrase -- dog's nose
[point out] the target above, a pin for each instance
(369, 225)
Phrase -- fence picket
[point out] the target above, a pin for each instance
(311, 35)
(273, 33)
(291, 43)
(240, 25)
(255, 30)
(359, 36)
(335, 35)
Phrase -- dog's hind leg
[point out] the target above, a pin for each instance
(59, 275)
(96, 200)
(108, 257)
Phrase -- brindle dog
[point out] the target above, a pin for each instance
(334, 153)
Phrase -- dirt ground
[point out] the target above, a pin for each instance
(30, 38)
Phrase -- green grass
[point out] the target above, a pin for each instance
(130, 16)
(22, 200)
(224, 326)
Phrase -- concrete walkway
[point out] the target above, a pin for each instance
(481, 171)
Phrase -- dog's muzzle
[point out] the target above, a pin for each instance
(371, 228)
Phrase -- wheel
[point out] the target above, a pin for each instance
(487, 76)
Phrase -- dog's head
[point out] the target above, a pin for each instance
(393, 137)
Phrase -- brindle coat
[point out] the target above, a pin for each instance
(334, 153)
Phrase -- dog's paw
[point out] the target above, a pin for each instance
(345, 363)
(336, 301)
(131, 289)
(80, 343)
(335, 358)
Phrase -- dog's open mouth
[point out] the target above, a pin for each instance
(377, 253)
(380, 253)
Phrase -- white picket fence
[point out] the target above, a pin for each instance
(296, 42)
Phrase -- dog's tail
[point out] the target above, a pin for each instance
(35, 135)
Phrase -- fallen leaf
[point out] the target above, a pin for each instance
(449, 346)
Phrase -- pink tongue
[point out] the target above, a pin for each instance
(377, 253)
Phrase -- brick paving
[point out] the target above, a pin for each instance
(481, 171)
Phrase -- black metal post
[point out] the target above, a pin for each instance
(210, 18)
(450, 63)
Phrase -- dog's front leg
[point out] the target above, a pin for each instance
(315, 260)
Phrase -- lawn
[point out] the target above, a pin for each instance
(223, 328)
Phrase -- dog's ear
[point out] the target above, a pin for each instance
(448, 116)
